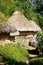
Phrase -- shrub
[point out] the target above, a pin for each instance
(36, 61)
(40, 41)
(14, 54)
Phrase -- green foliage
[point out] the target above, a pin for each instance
(40, 20)
(11, 53)
(10, 6)
(2, 18)
(39, 6)
(40, 40)
(36, 61)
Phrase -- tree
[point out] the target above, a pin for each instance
(38, 5)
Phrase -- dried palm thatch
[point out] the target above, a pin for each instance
(22, 23)
(19, 22)
(8, 27)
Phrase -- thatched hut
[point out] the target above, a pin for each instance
(18, 29)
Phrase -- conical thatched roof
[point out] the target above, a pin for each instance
(22, 23)
(18, 22)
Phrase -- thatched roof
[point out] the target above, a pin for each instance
(22, 23)
(18, 22)
(8, 27)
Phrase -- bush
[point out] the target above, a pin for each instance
(40, 44)
(40, 41)
(36, 61)
(13, 54)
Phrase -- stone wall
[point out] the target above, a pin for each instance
(6, 38)
(22, 40)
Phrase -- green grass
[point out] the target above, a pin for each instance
(14, 54)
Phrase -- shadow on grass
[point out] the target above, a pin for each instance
(36, 63)
(9, 61)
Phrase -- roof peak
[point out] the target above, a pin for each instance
(17, 12)
(22, 23)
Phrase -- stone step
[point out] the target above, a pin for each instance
(2, 63)
(30, 48)
(32, 55)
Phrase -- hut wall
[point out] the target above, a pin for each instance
(24, 38)
(5, 38)
(28, 33)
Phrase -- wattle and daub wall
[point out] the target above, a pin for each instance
(22, 39)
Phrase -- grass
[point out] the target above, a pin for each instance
(14, 54)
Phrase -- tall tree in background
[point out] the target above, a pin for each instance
(38, 8)
(38, 5)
